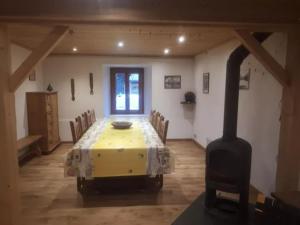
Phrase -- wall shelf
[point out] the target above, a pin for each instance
(187, 103)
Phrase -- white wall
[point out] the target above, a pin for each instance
(60, 69)
(210, 107)
(259, 107)
(18, 55)
(167, 101)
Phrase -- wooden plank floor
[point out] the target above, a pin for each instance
(50, 198)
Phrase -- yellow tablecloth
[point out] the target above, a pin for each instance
(120, 152)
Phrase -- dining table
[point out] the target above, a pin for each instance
(104, 151)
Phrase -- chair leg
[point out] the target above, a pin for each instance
(156, 183)
(160, 181)
(81, 185)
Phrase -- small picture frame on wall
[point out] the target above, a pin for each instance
(172, 81)
(245, 80)
(32, 76)
(205, 88)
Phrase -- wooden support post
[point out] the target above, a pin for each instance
(9, 190)
(288, 167)
(38, 55)
(263, 56)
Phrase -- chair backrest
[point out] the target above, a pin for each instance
(151, 117)
(93, 116)
(89, 118)
(78, 120)
(164, 131)
(161, 118)
(156, 121)
(84, 124)
(75, 130)
(155, 115)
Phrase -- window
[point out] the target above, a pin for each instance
(127, 90)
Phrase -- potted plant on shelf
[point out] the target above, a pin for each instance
(189, 97)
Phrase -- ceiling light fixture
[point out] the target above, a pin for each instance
(75, 49)
(181, 39)
(166, 51)
(120, 44)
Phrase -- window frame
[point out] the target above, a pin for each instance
(127, 71)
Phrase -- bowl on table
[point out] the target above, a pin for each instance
(121, 124)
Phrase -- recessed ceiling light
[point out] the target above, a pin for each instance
(75, 49)
(166, 51)
(120, 44)
(181, 39)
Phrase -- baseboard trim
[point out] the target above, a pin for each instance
(198, 144)
(187, 139)
(180, 139)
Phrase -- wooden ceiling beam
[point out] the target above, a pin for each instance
(252, 14)
(267, 26)
(20, 44)
(37, 56)
(279, 73)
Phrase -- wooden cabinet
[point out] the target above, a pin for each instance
(42, 111)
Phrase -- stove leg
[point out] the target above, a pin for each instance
(210, 197)
(244, 199)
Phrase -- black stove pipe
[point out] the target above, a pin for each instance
(232, 88)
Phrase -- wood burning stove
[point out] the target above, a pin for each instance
(228, 159)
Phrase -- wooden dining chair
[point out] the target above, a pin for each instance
(89, 118)
(75, 130)
(164, 131)
(84, 122)
(156, 115)
(79, 121)
(161, 119)
(157, 120)
(93, 116)
(151, 117)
